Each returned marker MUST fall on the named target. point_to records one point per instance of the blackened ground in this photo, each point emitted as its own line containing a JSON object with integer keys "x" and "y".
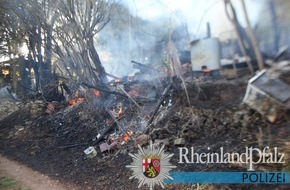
{"x": 221, "y": 121}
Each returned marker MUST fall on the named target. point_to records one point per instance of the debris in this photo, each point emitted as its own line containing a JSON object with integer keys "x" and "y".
{"x": 111, "y": 125}
{"x": 28, "y": 123}
{"x": 113, "y": 145}
{"x": 19, "y": 127}
{"x": 179, "y": 142}
{"x": 51, "y": 107}
{"x": 122, "y": 89}
{"x": 221, "y": 128}
{"x": 36, "y": 107}
{"x": 75, "y": 100}
{"x": 90, "y": 152}
{"x": 189, "y": 132}
{"x": 162, "y": 141}
{"x": 7, "y": 107}
{"x": 142, "y": 140}
{"x": 127, "y": 136}
{"x": 116, "y": 121}
{"x": 104, "y": 147}
{"x": 166, "y": 90}
{"x": 269, "y": 96}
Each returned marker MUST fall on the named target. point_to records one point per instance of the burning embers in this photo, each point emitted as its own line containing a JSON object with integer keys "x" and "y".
{"x": 97, "y": 93}
{"x": 114, "y": 140}
{"x": 120, "y": 138}
{"x": 127, "y": 136}
{"x": 75, "y": 100}
{"x": 79, "y": 98}
{"x": 120, "y": 112}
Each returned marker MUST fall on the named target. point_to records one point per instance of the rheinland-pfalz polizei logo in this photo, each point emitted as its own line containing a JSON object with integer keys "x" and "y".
{"x": 151, "y": 166}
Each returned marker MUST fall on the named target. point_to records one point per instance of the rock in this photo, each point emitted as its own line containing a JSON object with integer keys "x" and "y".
{"x": 175, "y": 119}
{"x": 142, "y": 140}
{"x": 162, "y": 141}
{"x": 7, "y": 108}
{"x": 179, "y": 142}
{"x": 189, "y": 131}
{"x": 19, "y": 127}
{"x": 39, "y": 102}
{"x": 123, "y": 152}
{"x": 28, "y": 123}
{"x": 237, "y": 117}
{"x": 84, "y": 116}
{"x": 220, "y": 128}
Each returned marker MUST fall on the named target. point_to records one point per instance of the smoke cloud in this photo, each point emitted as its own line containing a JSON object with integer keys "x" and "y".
{"x": 137, "y": 26}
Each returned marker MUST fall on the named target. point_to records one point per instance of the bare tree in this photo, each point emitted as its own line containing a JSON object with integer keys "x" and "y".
{"x": 61, "y": 30}
{"x": 76, "y": 31}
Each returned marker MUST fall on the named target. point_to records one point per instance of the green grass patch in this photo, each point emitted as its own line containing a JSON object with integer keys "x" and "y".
{"x": 7, "y": 182}
{"x": 10, "y": 184}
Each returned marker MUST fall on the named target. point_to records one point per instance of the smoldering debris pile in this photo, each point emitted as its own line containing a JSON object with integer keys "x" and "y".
{"x": 81, "y": 134}
{"x": 215, "y": 113}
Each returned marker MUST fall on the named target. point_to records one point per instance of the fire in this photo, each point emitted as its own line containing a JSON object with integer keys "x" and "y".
{"x": 75, "y": 100}
{"x": 128, "y": 135}
{"x": 96, "y": 92}
{"x": 120, "y": 112}
{"x": 118, "y": 80}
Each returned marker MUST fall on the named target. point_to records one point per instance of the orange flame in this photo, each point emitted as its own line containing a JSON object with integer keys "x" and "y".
{"x": 117, "y": 80}
{"x": 75, "y": 100}
{"x": 96, "y": 92}
{"x": 120, "y": 111}
{"x": 128, "y": 135}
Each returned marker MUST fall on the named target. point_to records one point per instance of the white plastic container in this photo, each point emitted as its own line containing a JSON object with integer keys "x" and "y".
{"x": 205, "y": 52}
{"x": 90, "y": 152}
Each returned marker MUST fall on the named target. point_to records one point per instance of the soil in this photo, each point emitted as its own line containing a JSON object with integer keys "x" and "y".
{"x": 41, "y": 141}
{"x": 26, "y": 178}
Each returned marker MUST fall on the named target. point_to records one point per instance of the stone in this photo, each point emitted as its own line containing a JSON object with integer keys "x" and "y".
{"x": 162, "y": 141}
{"x": 28, "y": 122}
{"x": 179, "y": 142}
{"x": 141, "y": 140}
{"x": 84, "y": 116}
{"x": 38, "y": 102}
{"x": 19, "y": 127}
{"x": 221, "y": 128}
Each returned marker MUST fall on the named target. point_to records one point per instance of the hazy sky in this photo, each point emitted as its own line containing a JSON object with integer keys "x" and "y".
{"x": 196, "y": 13}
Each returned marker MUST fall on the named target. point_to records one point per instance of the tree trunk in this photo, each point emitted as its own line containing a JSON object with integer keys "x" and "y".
{"x": 47, "y": 75}
{"x": 253, "y": 38}
{"x": 96, "y": 60}
{"x": 236, "y": 24}
{"x": 39, "y": 58}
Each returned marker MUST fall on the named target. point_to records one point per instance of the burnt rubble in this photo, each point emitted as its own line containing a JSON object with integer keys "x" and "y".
{"x": 61, "y": 134}
{"x": 93, "y": 128}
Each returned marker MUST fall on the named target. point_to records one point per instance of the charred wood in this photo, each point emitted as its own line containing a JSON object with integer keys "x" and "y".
{"x": 164, "y": 94}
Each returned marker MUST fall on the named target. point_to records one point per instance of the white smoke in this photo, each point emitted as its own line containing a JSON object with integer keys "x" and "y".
{"x": 160, "y": 16}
